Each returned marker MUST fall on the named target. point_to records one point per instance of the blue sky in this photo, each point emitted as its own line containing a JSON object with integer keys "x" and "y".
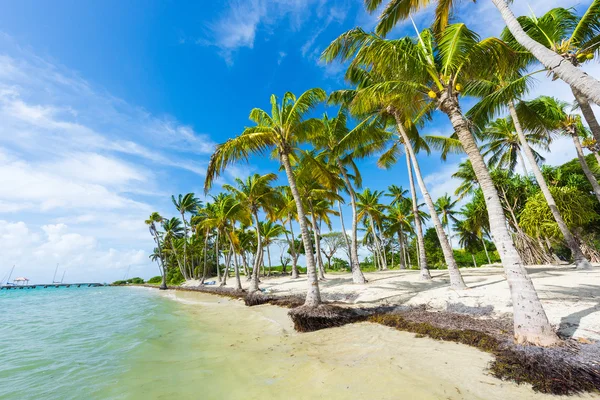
{"x": 109, "y": 107}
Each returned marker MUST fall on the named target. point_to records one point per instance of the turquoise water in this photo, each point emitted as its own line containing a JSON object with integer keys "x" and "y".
{"x": 76, "y": 343}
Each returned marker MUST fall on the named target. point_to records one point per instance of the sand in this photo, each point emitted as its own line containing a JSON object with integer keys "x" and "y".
{"x": 266, "y": 358}
{"x": 570, "y": 297}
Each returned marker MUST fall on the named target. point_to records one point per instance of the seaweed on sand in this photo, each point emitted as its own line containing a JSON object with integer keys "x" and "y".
{"x": 309, "y": 319}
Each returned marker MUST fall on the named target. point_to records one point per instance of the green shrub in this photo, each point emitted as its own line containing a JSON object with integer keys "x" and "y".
{"x": 155, "y": 279}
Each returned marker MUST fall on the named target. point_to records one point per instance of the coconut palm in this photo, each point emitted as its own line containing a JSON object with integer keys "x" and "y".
{"x": 431, "y": 71}
{"x": 476, "y": 217}
{"x": 283, "y": 130}
{"x": 467, "y": 239}
{"x": 269, "y": 232}
{"x": 505, "y": 91}
{"x": 398, "y": 220}
{"x": 555, "y": 113}
{"x": 445, "y": 207}
{"x": 185, "y": 204}
{"x": 574, "y": 38}
{"x": 589, "y": 87}
{"x": 370, "y": 210}
{"x": 173, "y": 231}
{"x": 286, "y": 213}
{"x": 156, "y": 218}
{"x": 503, "y": 146}
{"x": 340, "y": 146}
{"x": 256, "y": 194}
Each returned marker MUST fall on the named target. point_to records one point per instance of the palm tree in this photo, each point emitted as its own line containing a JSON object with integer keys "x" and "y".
{"x": 574, "y": 38}
{"x": 172, "y": 232}
{"x": 283, "y": 130}
{"x": 341, "y": 146}
{"x": 589, "y": 87}
{"x": 256, "y": 194}
{"x": 431, "y": 71}
{"x": 370, "y": 209}
{"x": 476, "y": 218}
{"x": 466, "y": 175}
{"x": 554, "y": 113}
{"x": 504, "y": 147}
{"x": 398, "y": 221}
{"x": 503, "y": 90}
{"x": 156, "y": 218}
{"x": 185, "y": 204}
{"x": 286, "y": 213}
{"x": 270, "y": 231}
{"x": 444, "y": 206}
{"x": 467, "y": 239}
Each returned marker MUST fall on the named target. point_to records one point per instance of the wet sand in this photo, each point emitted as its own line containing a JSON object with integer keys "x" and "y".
{"x": 252, "y": 353}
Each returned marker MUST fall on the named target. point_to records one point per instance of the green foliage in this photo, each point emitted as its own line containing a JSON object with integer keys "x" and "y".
{"x": 155, "y": 279}
{"x": 338, "y": 264}
{"x": 575, "y": 207}
{"x": 131, "y": 281}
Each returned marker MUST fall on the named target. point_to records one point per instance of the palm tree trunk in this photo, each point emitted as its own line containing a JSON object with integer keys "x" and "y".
{"x": 486, "y": 250}
{"x": 474, "y": 262}
{"x": 376, "y": 242}
{"x": 346, "y": 240}
{"x": 163, "y": 283}
{"x": 218, "y": 256}
{"x": 205, "y": 269}
{"x": 257, "y": 257}
{"x": 313, "y": 296}
{"x": 294, "y": 252}
{"x": 176, "y": 258}
{"x": 524, "y": 166}
{"x": 292, "y": 249}
{"x": 421, "y": 257}
{"x": 588, "y": 114}
{"x": 238, "y": 282}
{"x": 401, "y": 249}
{"x": 584, "y": 165}
{"x": 227, "y": 265}
{"x": 575, "y": 77}
{"x": 382, "y": 247}
{"x": 185, "y": 238}
{"x": 456, "y": 280}
{"x": 269, "y": 258}
{"x": 357, "y": 275}
{"x": 531, "y": 323}
{"x": 317, "y": 241}
{"x": 580, "y": 261}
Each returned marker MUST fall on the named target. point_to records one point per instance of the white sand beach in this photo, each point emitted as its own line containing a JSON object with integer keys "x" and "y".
{"x": 570, "y": 297}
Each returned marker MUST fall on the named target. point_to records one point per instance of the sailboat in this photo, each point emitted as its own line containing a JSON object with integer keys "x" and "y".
{"x": 8, "y": 283}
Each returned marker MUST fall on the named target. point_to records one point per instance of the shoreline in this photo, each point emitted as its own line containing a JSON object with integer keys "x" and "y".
{"x": 564, "y": 370}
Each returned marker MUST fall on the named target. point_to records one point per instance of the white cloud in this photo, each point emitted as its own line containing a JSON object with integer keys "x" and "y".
{"x": 238, "y": 26}
{"x": 36, "y": 253}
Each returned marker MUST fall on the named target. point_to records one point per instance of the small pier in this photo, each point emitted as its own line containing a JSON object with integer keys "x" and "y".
{"x": 50, "y": 285}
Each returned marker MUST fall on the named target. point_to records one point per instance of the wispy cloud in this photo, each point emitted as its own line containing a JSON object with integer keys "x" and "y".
{"x": 239, "y": 24}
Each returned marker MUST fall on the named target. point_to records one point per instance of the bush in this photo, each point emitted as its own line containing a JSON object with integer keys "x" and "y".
{"x": 155, "y": 279}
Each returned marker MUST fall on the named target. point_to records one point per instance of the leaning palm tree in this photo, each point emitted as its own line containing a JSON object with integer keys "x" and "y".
{"x": 574, "y": 38}
{"x": 431, "y": 70}
{"x": 256, "y": 194}
{"x": 589, "y": 87}
{"x": 283, "y": 130}
{"x": 505, "y": 91}
{"x": 556, "y": 116}
{"x": 185, "y": 204}
{"x": 156, "y": 218}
